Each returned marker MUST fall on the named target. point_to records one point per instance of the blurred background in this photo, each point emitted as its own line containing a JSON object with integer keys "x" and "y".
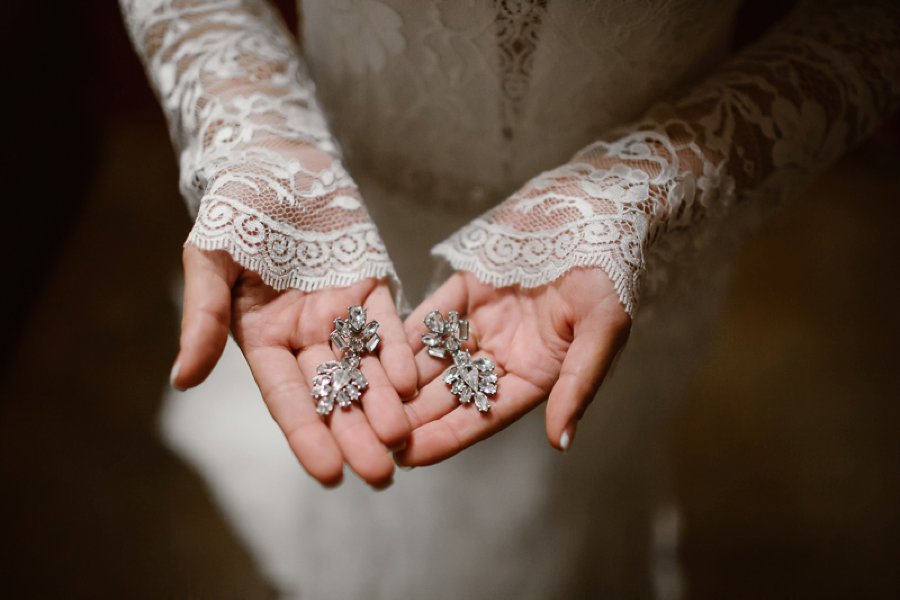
{"x": 786, "y": 451}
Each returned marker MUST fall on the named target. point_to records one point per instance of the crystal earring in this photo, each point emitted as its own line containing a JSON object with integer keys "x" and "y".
{"x": 469, "y": 380}
{"x": 342, "y": 382}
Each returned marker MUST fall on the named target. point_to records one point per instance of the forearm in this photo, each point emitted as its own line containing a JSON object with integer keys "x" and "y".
{"x": 780, "y": 112}
{"x": 258, "y": 165}
{"x": 770, "y": 120}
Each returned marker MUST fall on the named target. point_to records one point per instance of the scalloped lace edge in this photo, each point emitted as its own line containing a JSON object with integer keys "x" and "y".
{"x": 621, "y": 280}
{"x": 293, "y": 279}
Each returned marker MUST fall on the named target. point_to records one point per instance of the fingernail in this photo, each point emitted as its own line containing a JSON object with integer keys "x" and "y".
{"x": 568, "y": 435}
{"x": 173, "y": 374}
{"x": 399, "y": 447}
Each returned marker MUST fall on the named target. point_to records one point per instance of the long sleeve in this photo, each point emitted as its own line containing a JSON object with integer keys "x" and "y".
{"x": 258, "y": 166}
{"x": 660, "y": 189}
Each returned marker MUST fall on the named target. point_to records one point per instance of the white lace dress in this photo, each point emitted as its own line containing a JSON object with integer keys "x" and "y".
{"x": 516, "y": 139}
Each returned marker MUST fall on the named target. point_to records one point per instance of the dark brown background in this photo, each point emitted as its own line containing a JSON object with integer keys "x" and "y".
{"x": 787, "y": 449}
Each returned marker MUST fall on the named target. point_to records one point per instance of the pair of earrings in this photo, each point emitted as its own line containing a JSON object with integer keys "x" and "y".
{"x": 341, "y": 382}
{"x": 469, "y": 380}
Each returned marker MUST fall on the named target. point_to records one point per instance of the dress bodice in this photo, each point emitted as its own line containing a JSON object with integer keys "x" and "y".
{"x": 467, "y": 100}
{"x": 520, "y": 132}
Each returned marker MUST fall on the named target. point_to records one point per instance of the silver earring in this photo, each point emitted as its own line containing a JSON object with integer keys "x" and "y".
{"x": 341, "y": 382}
{"x": 469, "y": 380}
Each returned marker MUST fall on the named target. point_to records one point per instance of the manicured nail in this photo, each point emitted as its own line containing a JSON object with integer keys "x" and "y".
{"x": 173, "y": 374}
{"x": 568, "y": 435}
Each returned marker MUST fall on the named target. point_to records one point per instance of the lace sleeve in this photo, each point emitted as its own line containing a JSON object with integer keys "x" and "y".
{"x": 776, "y": 115}
{"x": 258, "y": 166}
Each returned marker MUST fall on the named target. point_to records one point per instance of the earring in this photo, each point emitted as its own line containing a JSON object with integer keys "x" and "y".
{"x": 469, "y": 380}
{"x": 341, "y": 382}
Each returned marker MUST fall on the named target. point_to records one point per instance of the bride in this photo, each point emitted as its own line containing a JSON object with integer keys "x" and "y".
{"x": 561, "y": 160}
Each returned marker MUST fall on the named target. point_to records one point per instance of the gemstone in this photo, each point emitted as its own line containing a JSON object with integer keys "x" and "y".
{"x": 481, "y": 402}
{"x": 470, "y": 376}
{"x": 352, "y": 392}
{"x": 452, "y": 344}
{"x": 338, "y": 340}
{"x": 483, "y": 364}
{"x": 357, "y": 318}
{"x": 325, "y": 406}
{"x": 370, "y": 329}
{"x": 465, "y": 395}
{"x": 437, "y": 352}
{"x": 457, "y": 387}
{"x": 356, "y": 345}
{"x": 358, "y": 379}
{"x": 452, "y": 322}
{"x": 435, "y": 321}
{"x": 451, "y": 375}
{"x": 343, "y": 398}
{"x": 372, "y": 342}
{"x": 463, "y": 329}
{"x": 342, "y": 327}
{"x": 340, "y": 379}
{"x": 350, "y": 362}
{"x": 489, "y": 389}
{"x": 321, "y": 386}
{"x": 490, "y": 378}
{"x": 328, "y": 367}
{"x": 431, "y": 339}
{"x": 461, "y": 359}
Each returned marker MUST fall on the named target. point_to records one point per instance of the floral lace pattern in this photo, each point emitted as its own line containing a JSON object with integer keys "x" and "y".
{"x": 475, "y": 98}
{"x": 779, "y": 113}
{"x": 258, "y": 165}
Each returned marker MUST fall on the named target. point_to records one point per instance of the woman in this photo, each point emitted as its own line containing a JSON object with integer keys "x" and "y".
{"x": 449, "y": 115}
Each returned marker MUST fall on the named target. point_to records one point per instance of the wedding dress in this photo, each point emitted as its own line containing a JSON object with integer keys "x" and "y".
{"x": 516, "y": 139}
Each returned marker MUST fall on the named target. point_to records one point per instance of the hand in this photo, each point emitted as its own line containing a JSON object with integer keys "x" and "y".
{"x": 557, "y": 340}
{"x": 284, "y": 336}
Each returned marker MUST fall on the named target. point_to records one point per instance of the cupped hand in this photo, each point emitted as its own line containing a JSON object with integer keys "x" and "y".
{"x": 284, "y": 336}
{"x": 555, "y": 341}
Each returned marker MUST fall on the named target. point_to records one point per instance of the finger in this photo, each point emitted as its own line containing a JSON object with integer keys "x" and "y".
{"x": 395, "y": 354}
{"x": 382, "y": 405}
{"x": 208, "y": 279}
{"x": 584, "y": 367}
{"x": 361, "y": 448}
{"x": 464, "y": 425}
{"x": 290, "y": 402}
{"x": 430, "y": 368}
{"x": 433, "y": 402}
{"x": 452, "y": 295}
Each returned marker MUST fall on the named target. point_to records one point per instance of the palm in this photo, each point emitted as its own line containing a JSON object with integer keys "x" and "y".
{"x": 556, "y": 341}
{"x": 284, "y": 336}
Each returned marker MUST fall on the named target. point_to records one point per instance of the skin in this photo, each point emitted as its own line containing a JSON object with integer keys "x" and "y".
{"x": 553, "y": 343}
{"x": 284, "y": 336}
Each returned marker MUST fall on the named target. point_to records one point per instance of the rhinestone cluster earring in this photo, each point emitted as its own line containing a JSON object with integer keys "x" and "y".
{"x": 469, "y": 380}
{"x": 341, "y": 382}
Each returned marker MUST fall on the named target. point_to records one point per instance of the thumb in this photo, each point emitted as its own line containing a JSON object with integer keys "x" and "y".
{"x": 208, "y": 279}
{"x": 586, "y": 363}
